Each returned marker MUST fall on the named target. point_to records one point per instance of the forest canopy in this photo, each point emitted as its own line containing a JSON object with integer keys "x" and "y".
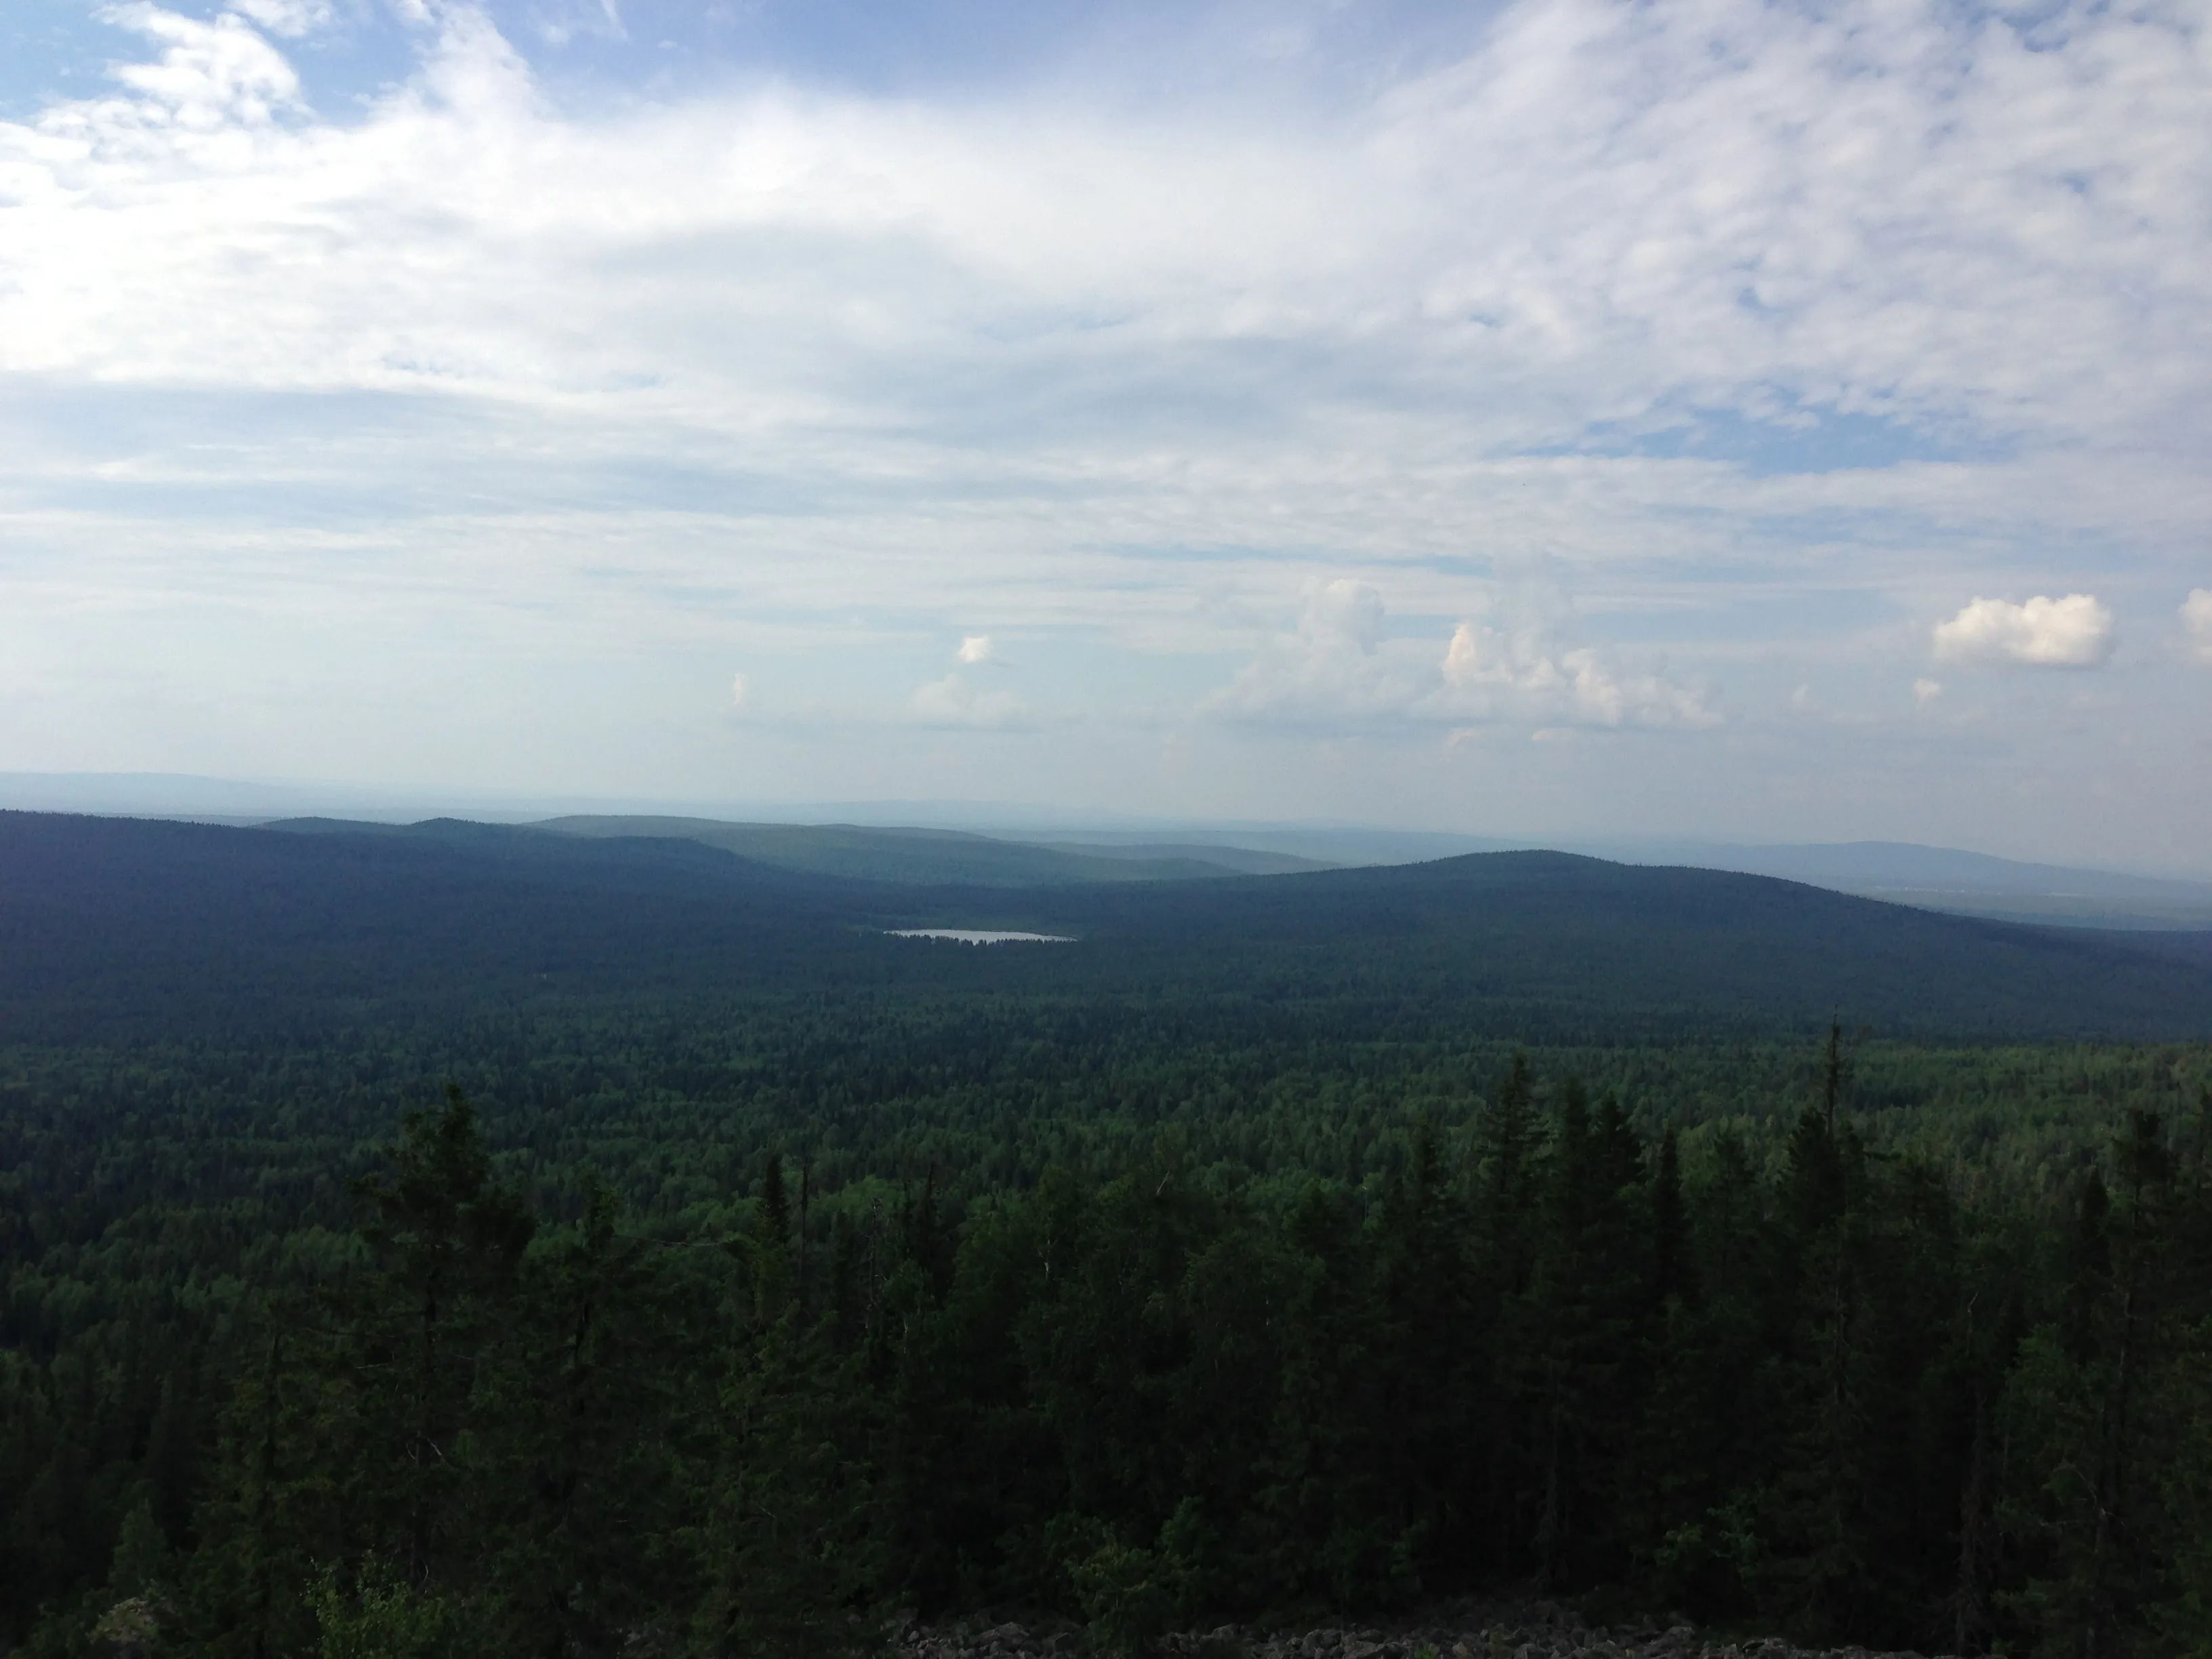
{"x": 730, "y": 1312}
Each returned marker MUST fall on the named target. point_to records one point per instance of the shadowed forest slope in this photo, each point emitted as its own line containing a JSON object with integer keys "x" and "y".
{"x": 113, "y": 925}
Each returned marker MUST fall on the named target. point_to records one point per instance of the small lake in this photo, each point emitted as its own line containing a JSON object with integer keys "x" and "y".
{"x": 981, "y": 936}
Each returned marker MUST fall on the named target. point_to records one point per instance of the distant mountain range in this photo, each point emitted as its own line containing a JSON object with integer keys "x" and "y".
{"x": 1967, "y": 883}
{"x": 993, "y": 846}
{"x": 1930, "y": 878}
{"x": 930, "y": 856}
{"x": 114, "y": 925}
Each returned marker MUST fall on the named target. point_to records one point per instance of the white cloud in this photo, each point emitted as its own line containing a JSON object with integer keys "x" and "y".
{"x": 570, "y": 19}
{"x": 1336, "y": 667}
{"x": 1497, "y": 676}
{"x": 285, "y": 17}
{"x": 2075, "y": 632}
{"x": 955, "y": 701}
{"x": 1603, "y": 212}
{"x": 740, "y": 690}
{"x": 2196, "y": 621}
{"x": 1926, "y": 691}
{"x": 212, "y": 84}
{"x": 1332, "y": 667}
{"x": 612, "y": 379}
{"x": 974, "y": 648}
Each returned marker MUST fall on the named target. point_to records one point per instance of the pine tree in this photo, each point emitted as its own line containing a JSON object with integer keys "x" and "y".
{"x": 1506, "y": 1178}
{"x": 1584, "y": 1324}
{"x": 581, "y": 1475}
{"x": 1426, "y": 1358}
{"x": 1505, "y": 1235}
{"x": 2090, "y": 1398}
{"x": 448, "y": 1241}
{"x": 1673, "y": 1273}
{"x": 769, "y": 1242}
{"x": 1815, "y": 1509}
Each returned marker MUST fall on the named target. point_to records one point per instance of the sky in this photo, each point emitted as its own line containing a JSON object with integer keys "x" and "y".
{"x": 1741, "y": 419}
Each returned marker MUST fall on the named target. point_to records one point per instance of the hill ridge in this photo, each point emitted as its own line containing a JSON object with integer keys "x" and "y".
{"x": 130, "y": 922}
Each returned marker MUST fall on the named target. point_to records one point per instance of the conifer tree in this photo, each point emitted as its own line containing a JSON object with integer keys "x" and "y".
{"x": 448, "y": 1241}
{"x": 1583, "y": 1324}
{"x": 1672, "y": 1272}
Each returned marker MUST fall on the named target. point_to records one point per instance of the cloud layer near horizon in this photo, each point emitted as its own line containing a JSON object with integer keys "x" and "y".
{"x": 1624, "y": 370}
{"x": 2075, "y": 632}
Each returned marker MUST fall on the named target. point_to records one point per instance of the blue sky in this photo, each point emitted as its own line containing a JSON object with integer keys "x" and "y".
{"x": 1760, "y": 421}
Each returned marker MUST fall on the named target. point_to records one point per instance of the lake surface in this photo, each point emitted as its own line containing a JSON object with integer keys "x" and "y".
{"x": 981, "y": 936}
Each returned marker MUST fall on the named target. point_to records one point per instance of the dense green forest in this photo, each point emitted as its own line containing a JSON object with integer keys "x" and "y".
{"x": 713, "y": 1346}
{"x": 723, "y": 1311}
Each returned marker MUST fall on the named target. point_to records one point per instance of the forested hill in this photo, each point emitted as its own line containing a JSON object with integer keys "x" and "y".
{"x": 1277, "y": 1248}
{"x": 110, "y": 927}
{"x": 924, "y": 857}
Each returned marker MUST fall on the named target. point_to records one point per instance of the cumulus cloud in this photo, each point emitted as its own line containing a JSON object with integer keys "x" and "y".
{"x": 957, "y": 700}
{"x": 1332, "y": 666}
{"x": 975, "y": 648}
{"x": 1336, "y": 667}
{"x": 2196, "y": 621}
{"x": 740, "y": 690}
{"x": 2075, "y": 632}
{"x": 1495, "y": 675}
{"x": 1926, "y": 691}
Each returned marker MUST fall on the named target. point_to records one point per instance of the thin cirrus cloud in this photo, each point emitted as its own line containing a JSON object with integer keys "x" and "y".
{"x": 1766, "y": 327}
{"x": 288, "y": 18}
{"x": 2073, "y": 632}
